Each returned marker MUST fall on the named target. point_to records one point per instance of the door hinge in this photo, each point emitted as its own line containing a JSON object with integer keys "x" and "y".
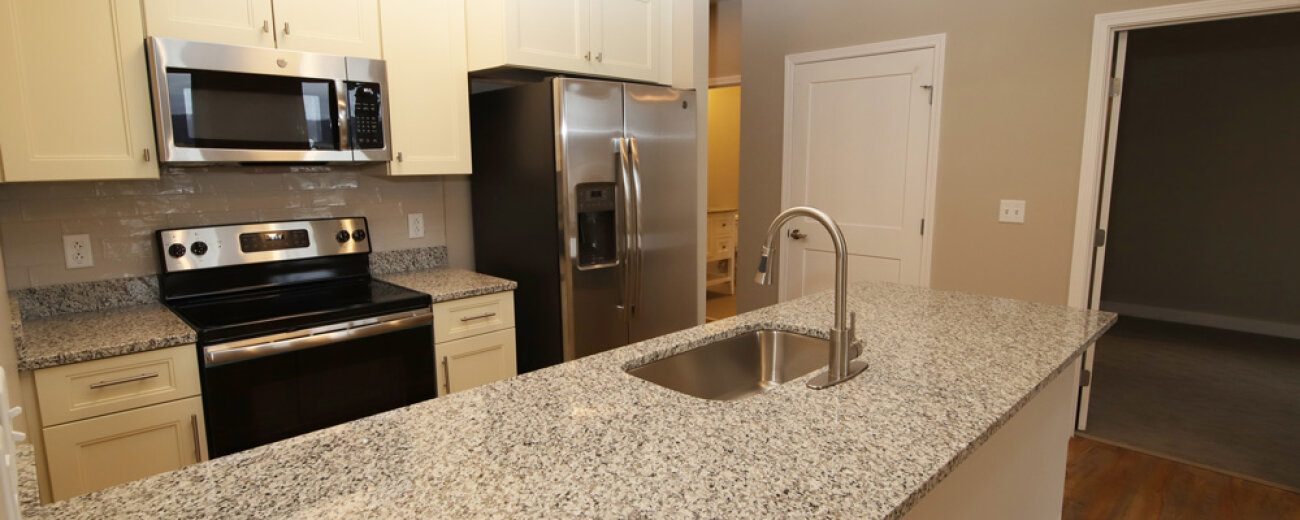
{"x": 1116, "y": 86}
{"x": 922, "y": 226}
{"x": 1099, "y": 239}
{"x": 929, "y": 89}
{"x": 1085, "y": 378}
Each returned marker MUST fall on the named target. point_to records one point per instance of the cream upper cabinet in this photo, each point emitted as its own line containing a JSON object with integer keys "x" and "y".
{"x": 614, "y": 38}
{"x": 625, "y": 38}
{"x": 428, "y": 87}
{"x": 343, "y": 27}
{"x": 236, "y": 22}
{"x": 74, "y": 103}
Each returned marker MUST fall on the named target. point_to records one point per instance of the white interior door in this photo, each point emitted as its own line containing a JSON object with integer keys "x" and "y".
{"x": 1103, "y": 218}
{"x": 859, "y": 151}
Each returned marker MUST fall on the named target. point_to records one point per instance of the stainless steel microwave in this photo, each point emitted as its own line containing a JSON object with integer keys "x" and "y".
{"x": 216, "y": 103}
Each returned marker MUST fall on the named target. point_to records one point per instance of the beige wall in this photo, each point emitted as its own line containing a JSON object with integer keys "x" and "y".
{"x": 120, "y": 216}
{"x": 1012, "y": 127}
{"x": 724, "y": 148}
{"x": 724, "y": 38}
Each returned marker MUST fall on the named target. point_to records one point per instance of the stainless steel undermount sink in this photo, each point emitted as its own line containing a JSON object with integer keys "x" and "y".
{"x": 741, "y": 366}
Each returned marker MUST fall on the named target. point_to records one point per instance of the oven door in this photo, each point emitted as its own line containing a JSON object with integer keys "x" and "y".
{"x": 256, "y": 392}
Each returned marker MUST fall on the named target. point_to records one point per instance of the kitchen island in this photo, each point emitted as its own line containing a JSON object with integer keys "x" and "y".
{"x": 949, "y": 371}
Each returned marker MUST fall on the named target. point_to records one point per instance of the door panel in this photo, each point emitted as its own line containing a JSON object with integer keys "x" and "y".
{"x": 234, "y": 22}
{"x": 662, "y": 121}
{"x": 549, "y": 34}
{"x": 591, "y": 115}
{"x": 860, "y": 147}
{"x": 342, "y": 27}
{"x": 624, "y": 34}
{"x": 477, "y": 361}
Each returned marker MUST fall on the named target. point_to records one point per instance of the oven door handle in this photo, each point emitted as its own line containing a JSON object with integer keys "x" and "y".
{"x": 245, "y": 350}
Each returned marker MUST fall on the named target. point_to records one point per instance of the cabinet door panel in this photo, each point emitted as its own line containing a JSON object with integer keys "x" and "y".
{"x": 477, "y": 361}
{"x": 344, "y": 27}
{"x": 74, "y": 103}
{"x": 428, "y": 87}
{"x": 626, "y": 38}
{"x": 236, "y": 22}
{"x": 549, "y": 34}
{"x": 92, "y": 454}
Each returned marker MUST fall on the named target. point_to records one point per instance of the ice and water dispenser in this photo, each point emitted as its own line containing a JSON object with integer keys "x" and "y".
{"x": 597, "y": 225}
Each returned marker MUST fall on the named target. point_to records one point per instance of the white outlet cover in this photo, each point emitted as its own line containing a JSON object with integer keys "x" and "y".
{"x": 77, "y": 252}
{"x": 1012, "y": 211}
{"x": 415, "y": 225}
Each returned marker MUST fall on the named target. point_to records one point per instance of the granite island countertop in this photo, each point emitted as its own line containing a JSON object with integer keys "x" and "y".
{"x": 585, "y": 439}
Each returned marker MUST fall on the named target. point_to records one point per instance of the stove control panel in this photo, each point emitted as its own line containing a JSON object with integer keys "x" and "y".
{"x": 238, "y": 244}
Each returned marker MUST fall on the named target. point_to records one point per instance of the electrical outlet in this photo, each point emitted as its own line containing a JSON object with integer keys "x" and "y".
{"x": 415, "y": 225}
{"x": 1012, "y": 211}
{"x": 77, "y": 252}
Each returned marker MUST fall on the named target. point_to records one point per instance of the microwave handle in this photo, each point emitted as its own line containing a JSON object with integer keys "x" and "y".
{"x": 341, "y": 86}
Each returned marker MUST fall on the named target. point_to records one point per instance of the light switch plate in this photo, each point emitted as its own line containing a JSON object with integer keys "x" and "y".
{"x": 76, "y": 251}
{"x": 1012, "y": 211}
{"x": 415, "y": 225}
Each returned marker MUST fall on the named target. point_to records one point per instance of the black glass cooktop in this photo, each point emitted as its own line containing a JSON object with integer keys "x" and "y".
{"x": 259, "y": 313}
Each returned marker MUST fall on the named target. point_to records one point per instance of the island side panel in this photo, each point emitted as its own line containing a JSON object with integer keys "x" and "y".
{"x": 1019, "y": 472}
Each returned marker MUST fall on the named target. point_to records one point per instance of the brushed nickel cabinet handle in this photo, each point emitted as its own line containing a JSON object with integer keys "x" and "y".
{"x": 266, "y": 26}
{"x": 587, "y": 56}
{"x": 111, "y": 382}
{"x": 446, "y": 377}
{"x": 478, "y": 316}
{"x": 399, "y": 156}
{"x": 600, "y": 56}
{"x": 286, "y": 28}
{"x": 146, "y": 155}
{"x": 194, "y": 426}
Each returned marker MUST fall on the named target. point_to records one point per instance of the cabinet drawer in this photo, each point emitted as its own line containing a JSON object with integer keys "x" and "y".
{"x": 467, "y": 317}
{"x": 96, "y": 453}
{"x": 81, "y": 390}
{"x": 477, "y": 361}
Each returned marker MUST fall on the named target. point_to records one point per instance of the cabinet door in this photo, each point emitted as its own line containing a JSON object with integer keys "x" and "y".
{"x": 549, "y": 34}
{"x": 343, "y": 27}
{"x": 625, "y": 38}
{"x": 74, "y": 102}
{"x": 236, "y": 22}
{"x": 428, "y": 86}
{"x": 477, "y": 361}
{"x": 92, "y": 454}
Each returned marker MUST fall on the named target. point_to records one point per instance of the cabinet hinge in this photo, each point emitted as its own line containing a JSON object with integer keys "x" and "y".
{"x": 1085, "y": 378}
{"x": 1099, "y": 239}
{"x": 1116, "y": 86}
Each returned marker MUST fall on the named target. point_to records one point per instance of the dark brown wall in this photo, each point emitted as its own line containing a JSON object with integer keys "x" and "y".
{"x": 1205, "y": 213}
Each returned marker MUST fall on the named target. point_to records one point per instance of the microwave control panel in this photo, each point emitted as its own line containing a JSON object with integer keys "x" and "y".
{"x": 365, "y": 122}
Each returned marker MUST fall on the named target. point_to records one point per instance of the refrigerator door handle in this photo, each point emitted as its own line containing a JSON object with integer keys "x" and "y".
{"x": 629, "y": 226}
{"x": 637, "y": 254}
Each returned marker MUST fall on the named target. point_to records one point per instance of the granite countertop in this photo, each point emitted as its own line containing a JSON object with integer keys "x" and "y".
{"x": 446, "y": 283}
{"x": 585, "y": 439}
{"x": 84, "y": 336}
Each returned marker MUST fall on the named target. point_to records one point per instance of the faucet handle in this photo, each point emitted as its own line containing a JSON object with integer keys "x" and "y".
{"x": 853, "y": 325}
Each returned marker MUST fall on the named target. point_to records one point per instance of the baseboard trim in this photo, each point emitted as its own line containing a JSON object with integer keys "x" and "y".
{"x": 1205, "y": 319}
{"x": 1180, "y": 460}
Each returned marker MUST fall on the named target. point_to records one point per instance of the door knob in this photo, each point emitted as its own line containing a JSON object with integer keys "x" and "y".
{"x": 795, "y": 234}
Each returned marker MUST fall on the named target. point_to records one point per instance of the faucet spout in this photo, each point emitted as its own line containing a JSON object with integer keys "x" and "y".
{"x": 839, "y": 367}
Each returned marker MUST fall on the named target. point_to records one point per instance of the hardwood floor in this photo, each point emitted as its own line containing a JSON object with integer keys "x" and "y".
{"x": 1105, "y": 482}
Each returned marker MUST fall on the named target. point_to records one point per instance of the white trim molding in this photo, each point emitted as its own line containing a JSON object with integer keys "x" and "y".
{"x": 725, "y": 81}
{"x": 937, "y": 42}
{"x": 1105, "y": 28}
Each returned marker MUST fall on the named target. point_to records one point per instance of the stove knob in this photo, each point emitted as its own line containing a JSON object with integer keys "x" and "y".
{"x": 359, "y": 235}
{"x": 199, "y": 248}
{"x": 176, "y": 250}
{"x": 342, "y": 236}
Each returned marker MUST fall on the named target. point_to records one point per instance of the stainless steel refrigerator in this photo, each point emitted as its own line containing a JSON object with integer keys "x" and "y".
{"x": 584, "y": 192}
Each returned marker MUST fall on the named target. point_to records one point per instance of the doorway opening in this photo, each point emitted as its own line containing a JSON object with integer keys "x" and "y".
{"x": 724, "y": 160}
{"x": 1197, "y": 246}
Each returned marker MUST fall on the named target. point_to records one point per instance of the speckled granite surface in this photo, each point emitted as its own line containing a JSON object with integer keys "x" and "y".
{"x": 445, "y": 284}
{"x": 586, "y": 440}
{"x": 403, "y": 260}
{"x": 85, "y": 336}
{"x": 53, "y": 300}
{"x": 29, "y": 494}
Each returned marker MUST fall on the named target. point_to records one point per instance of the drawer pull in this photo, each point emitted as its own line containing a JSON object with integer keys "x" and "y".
{"x": 478, "y": 316}
{"x": 446, "y": 379}
{"x": 141, "y": 377}
{"x": 194, "y": 426}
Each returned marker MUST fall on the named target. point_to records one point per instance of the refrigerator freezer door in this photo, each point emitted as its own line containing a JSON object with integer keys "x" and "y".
{"x": 660, "y": 127}
{"x": 589, "y": 124}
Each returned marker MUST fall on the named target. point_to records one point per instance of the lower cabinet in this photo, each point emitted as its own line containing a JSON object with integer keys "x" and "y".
{"x": 470, "y": 362}
{"x": 104, "y": 451}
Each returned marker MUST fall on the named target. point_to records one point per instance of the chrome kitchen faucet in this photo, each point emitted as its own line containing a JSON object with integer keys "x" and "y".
{"x": 838, "y": 367}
